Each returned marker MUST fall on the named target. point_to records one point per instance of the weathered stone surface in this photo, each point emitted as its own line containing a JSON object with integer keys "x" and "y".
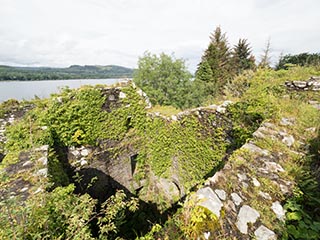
{"x": 253, "y": 148}
{"x": 221, "y": 194}
{"x": 315, "y": 104}
{"x": 83, "y": 162}
{"x": 278, "y": 210}
{"x": 24, "y": 189}
{"x": 242, "y": 177}
{"x": 273, "y": 167}
{"x": 264, "y": 233}
{"x": 245, "y": 185}
{"x": 226, "y": 103}
{"x": 75, "y": 153}
{"x": 255, "y": 182}
{"x": 38, "y": 190}
{"x": 85, "y": 152}
{"x": 42, "y": 172}
{"x": 209, "y": 200}
{"x": 313, "y": 84}
{"x": 236, "y": 199}
{"x": 27, "y": 163}
{"x": 259, "y": 134}
{"x": 206, "y": 235}
{"x": 284, "y": 189}
{"x": 265, "y": 195}
{"x": 168, "y": 188}
{"x": 246, "y": 215}
{"x": 288, "y": 140}
{"x": 221, "y": 109}
{"x": 43, "y": 148}
{"x": 111, "y": 98}
{"x": 122, "y": 95}
{"x": 174, "y": 118}
{"x": 43, "y": 160}
{"x": 287, "y": 121}
{"x": 312, "y": 129}
{"x": 215, "y": 178}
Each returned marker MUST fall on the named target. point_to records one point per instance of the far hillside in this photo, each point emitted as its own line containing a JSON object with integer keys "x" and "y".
{"x": 72, "y": 72}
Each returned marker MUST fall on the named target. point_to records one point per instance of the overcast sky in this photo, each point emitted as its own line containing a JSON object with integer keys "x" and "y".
{"x": 60, "y": 33}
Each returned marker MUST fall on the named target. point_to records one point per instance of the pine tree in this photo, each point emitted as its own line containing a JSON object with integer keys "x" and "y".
{"x": 242, "y": 57}
{"x": 218, "y": 57}
{"x": 204, "y": 83}
{"x": 204, "y": 72}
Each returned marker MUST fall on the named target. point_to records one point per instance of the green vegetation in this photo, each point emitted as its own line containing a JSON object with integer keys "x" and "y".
{"x": 259, "y": 96}
{"x": 242, "y": 57}
{"x": 303, "y": 214}
{"x": 183, "y": 149}
{"x": 165, "y": 80}
{"x": 8, "y": 106}
{"x": 61, "y": 214}
{"x": 72, "y": 72}
{"x": 302, "y": 59}
{"x": 196, "y": 152}
{"x": 219, "y": 64}
{"x": 190, "y": 148}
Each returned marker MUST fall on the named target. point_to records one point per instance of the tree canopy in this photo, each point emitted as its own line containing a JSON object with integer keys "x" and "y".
{"x": 219, "y": 63}
{"x": 302, "y": 59}
{"x": 214, "y": 69}
{"x": 164, "y": 79}
{"x": 242, "y": 57}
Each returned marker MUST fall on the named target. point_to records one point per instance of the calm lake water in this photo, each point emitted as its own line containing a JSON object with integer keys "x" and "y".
{"x": 26, "y": 90}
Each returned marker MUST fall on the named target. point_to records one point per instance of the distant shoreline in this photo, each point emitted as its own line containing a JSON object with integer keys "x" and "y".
{"x": 8, "y": 73}
{"x": 63, "y": 79}
{"x": 28, "y": 90}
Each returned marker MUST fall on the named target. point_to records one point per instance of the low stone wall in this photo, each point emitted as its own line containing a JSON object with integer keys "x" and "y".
{"x": 26, "y": 177}
{"x": 313, "y": 84}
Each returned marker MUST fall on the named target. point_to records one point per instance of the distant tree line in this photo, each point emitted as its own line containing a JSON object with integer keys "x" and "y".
{"x": 72, "y": 72}
{"x": 166, "y": 80}
{"x": 302, "y": 59}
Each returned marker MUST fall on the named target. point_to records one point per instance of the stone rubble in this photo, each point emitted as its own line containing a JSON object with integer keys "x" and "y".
{"x": 208, "y": 199}
{"x": 221, "y": 194}
{"x": 246, "y": 215}
{"x": 255, "y": 182}
{"x": 278, "y": 210}
{"x": 236, "y": 199}
{"x": 264, "y": 233}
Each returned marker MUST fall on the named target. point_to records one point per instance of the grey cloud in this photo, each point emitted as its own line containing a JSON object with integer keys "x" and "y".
{"x": 102, "y": 32}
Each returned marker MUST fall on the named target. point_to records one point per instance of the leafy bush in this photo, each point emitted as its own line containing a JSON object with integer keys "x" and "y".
{"x": 165, "y": 80}
{"x": 60, "y": 214}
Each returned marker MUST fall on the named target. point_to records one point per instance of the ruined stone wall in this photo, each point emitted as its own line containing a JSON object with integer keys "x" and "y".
{"x": 313, "y": 84}
{"x": 247, "y": 194}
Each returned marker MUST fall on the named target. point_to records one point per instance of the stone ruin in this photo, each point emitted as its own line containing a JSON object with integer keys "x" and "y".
{"x": 313, "y": 84}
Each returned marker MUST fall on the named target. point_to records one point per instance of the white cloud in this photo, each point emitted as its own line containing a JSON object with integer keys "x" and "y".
{"x": 65, "y": 32}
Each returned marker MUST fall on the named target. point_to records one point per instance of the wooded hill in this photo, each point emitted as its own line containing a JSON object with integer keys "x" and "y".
{"x": 72, "y": 72}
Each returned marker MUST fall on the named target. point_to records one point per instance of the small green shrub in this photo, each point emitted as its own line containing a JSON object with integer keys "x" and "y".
{"x": 60, "y": 214}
